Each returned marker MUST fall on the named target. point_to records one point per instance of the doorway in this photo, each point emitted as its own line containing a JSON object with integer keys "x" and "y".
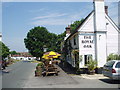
{"x": 87, "y": 58}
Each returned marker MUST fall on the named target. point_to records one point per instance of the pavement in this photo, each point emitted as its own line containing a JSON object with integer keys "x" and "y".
{"x": 95, "y": 76}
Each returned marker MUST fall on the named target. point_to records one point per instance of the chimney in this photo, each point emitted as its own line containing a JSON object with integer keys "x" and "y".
{"x": 100, "y": 22}
{"x": 68, "y": 30}
{"x": 106, "y": 10}
{"x": 100, "y": 32}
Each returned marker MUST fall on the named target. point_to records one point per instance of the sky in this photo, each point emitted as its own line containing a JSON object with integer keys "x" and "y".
{"x": 19, "y": 17}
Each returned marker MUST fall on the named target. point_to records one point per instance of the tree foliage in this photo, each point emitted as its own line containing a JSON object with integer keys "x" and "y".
{"x": 13, "y": 52}
{"x": 4, "y": 50}
{"x": 75, "y": 25}
{"x": 113, "y": 57}
{"x": 60, "y": 38}
{"x": 37, "y": 38}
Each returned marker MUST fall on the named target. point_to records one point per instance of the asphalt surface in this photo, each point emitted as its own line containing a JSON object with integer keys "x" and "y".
{"x": 50, "y": 81}
{"x": 18, "y": 75}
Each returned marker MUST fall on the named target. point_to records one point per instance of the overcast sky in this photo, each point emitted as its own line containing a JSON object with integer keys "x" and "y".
{"x": 19, "y": 17}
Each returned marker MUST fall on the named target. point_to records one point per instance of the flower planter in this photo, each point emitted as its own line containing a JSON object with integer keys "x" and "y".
{"x": 38, "y": 73}
{"x": 91, "y": 72}
{"x": 39, "y": 68}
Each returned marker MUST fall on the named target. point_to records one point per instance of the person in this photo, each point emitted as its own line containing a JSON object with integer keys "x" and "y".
{"x": 50, "y": 62}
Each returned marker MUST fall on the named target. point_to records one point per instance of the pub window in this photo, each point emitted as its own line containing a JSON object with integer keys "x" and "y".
{"x": 74, "y": 41}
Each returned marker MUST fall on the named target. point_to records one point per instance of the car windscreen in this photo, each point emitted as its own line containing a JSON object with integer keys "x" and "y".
{"x": 117, "y": 65}
{"x": 109, "y": 64}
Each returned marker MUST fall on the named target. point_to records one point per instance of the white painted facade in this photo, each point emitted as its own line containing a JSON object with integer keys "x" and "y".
{"x": 23, "y": 58}
{"x": 98, "y": 37}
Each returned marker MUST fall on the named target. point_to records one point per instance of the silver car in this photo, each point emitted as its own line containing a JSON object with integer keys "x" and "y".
{"x": 112, "y": 69}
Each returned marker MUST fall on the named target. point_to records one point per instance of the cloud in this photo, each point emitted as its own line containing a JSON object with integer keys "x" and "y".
{"x": 53, "y": 15}
{"x": 60, "y": 18}
{"x": 39, "y": 10}
{"x": 56, "y": 19}
{"x": 51, "y": 22}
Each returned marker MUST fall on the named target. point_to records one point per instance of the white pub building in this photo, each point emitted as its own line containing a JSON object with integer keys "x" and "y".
{"x": 97, "y": 36}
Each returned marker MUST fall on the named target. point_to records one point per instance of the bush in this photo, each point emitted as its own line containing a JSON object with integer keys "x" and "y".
{"x": 92, "y": 64}
{"x": 113, "y": 57}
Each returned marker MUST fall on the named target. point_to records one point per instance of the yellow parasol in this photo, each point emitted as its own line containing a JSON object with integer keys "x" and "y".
{"x": 51, "y": 54}
{"x": 45, "y": 57}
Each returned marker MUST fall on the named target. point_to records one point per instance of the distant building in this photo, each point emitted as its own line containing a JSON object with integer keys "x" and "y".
{"x": 23, "y": 56}
{"x": 97, "y": 37}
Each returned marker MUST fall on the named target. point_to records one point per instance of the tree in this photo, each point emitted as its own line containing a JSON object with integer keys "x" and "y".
{"x": 113, "y": 57}
{"x": 13, "y": 52}
{"x": 52, "y": 42}
{"x": 60, "y": 38}
{"x": 37, "y": 38}
{"x": 75, "y": 25}
{"x": 4, "y": 50}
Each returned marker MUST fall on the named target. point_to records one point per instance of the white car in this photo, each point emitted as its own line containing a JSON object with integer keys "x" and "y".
{"x": 112, "y": 69}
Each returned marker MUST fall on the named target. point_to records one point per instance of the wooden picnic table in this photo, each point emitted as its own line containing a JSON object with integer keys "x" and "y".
{"x": 50, "y": 69}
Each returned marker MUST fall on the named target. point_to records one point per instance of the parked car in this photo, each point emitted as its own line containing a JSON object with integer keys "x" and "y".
{"x": 112, "y": 69}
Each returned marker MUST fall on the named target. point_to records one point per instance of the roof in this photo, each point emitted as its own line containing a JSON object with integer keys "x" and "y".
{"x": 76, "y": 30}
{"x": 114, "y": 23}
{"x": 22, "y": 54}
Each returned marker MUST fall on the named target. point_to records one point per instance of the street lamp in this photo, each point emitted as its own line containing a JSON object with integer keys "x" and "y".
{"x": 45, "y": 48}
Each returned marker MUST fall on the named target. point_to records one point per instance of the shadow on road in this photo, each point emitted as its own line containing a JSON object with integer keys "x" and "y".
{"x": 67, "y": 68}
{"x": 110, "y": 81}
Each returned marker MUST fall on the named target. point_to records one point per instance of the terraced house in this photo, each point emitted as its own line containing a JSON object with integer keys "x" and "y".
{"x": 97, "y": 37}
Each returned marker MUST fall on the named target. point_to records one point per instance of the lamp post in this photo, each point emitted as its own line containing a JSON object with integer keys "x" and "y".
{"x": 45, "y": 48}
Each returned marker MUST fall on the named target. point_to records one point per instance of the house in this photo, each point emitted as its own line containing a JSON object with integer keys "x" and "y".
{"x": 97, "y": 37}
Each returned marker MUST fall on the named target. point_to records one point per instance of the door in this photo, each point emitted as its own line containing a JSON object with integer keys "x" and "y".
{"x": 87, "y": 58}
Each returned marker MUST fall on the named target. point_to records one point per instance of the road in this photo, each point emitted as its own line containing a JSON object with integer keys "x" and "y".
{"x": 22, "y": 76}
{"x": 64, "y": 80}
{"x": 18, "y": 75}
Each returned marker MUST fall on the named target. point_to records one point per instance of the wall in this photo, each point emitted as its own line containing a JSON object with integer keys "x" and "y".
{"x": 112, "y": 38}
{"x": 69, "y": 58}
{"x": 24, "y": 58}
{"x": 87, "y": 45}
